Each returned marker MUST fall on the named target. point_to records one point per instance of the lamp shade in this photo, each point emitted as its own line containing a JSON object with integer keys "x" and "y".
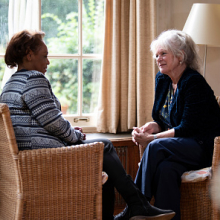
{"x": 203, "y": 24}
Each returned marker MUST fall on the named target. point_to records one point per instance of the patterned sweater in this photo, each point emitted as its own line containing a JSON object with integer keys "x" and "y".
{"x": 35, "y": 112}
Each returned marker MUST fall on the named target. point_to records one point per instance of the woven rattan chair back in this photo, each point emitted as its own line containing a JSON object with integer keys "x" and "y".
{"x": 196, "y": 202}
{"x": 215, "y": 165}
{"x": 9, "y": 181}
{"x": 56, "y": 183}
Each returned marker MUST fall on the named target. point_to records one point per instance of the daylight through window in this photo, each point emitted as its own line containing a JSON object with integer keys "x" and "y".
{"x": 74, "y": 37}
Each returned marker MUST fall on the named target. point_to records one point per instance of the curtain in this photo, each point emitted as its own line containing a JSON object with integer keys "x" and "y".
{"x": 22, "y": 14}
{"x": 127, "y": 78}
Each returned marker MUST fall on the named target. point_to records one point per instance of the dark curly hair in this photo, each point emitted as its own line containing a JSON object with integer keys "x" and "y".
{"x": 20, "y": 45}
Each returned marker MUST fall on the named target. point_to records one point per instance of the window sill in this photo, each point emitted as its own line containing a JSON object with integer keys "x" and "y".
{"x": 121, "y": 136}
{"x": 87, "y": 126}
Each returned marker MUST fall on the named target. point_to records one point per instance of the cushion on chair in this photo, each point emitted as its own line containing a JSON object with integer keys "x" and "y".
{"x": 197, "y": 175}
{"x": 104, "y": 177}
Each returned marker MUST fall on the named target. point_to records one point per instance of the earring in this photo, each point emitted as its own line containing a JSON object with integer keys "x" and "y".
{"x": 29, "y": 57}
{"x": 180, "y": 62}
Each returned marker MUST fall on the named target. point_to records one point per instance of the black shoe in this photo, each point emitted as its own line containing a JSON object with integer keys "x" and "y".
{"x": 122, "y": 215}
{"x": 150, "y": 212}
{"x": 147, "y": 212}
{"x": 138, "y": 206}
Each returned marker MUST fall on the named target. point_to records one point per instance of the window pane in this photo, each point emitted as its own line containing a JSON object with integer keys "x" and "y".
{"x": 2, "y": 70}
{"x": 93, "y": 26}
{"x": 60, "y": 23}
{"x": 3, "y": 25}
{"x": 62, "y": 74}
{"x": 91, "y": 81}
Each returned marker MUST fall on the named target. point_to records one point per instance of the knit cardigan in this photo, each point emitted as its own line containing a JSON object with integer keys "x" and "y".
{"x": 194, "y": 111}
{"x": 35, "y": 112}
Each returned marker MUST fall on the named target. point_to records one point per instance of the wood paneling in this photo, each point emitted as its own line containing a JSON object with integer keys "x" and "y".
{"x": 128, "y": 153}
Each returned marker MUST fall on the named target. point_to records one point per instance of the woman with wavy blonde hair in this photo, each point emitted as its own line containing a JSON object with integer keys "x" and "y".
{"x": 186, "y": 119}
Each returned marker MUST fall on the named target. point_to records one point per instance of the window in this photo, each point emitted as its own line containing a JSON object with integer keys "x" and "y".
{"x": 74, "y": 37}
{"x": 3, "y": 35}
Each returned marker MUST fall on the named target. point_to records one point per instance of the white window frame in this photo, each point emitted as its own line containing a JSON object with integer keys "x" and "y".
{"x": 86, "y": 121}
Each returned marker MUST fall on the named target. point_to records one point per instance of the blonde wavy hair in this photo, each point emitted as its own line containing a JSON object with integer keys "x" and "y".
{"x": 181, "y": 45}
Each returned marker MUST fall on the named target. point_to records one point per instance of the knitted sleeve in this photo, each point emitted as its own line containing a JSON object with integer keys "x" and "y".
{"x": 39, "y": 98}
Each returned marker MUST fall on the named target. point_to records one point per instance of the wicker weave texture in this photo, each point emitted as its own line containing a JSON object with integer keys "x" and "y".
{"x": 58, "y": 183}
{"x": 215, "y": 164}
{"x": 195, "y": 203}
{"x": 9, "y": 183}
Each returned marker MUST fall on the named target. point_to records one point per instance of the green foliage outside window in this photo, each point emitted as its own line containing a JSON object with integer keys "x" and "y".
{"x": 2, "y": 70}
{"x": 3, "y": 34}
{"x": 60, "y": 23}
{"x": 63, "y": 73}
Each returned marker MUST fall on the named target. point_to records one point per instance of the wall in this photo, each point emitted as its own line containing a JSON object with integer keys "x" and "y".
{"x": 172, "y": 14}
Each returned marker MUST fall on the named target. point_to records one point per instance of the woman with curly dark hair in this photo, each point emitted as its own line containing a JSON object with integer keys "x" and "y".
{"x": 38, "y": 122}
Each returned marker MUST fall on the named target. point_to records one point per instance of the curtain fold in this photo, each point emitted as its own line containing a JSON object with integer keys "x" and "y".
{"x": 22, "y": 14}
{"x": 127, "y": 81}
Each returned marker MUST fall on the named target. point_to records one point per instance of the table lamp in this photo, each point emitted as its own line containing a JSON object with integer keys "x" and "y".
{"x": 203, "y": 25}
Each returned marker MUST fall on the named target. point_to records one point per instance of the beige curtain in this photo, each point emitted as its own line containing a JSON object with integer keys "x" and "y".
{"x": 127, "y": 82}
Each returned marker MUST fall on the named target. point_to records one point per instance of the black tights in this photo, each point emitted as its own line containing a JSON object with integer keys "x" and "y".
{"x": 113, "y": 167}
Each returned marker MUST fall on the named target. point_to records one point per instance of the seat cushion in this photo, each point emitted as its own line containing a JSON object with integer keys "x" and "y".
{"x": 197, "y": 175}
{"x": 104, "y": 177}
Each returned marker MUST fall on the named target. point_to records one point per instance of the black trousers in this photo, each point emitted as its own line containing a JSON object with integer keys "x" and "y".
{"x": 162, "y": 165}
{"x": 113, "y": 167}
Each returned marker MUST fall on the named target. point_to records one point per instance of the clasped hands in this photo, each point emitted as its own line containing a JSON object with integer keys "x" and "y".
{"x": 80, "y": 129}
{"x": 144, "y": 135}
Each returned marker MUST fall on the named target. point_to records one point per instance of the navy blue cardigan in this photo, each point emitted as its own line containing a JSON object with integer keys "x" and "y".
{"x": 194, "y": 112}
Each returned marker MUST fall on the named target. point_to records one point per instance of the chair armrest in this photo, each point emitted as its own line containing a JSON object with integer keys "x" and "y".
{"x": 215, "y": 180}
{"x": 63, "y": 178}
{"x": 216, "y": 154}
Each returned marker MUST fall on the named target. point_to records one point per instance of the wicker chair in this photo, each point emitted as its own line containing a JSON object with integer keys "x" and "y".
{"x": 196, "y": 200}
{"x": 58, "y": 183}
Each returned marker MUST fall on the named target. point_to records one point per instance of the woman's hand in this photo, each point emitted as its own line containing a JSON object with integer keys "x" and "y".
{"x": 140, "y": 137}
{"x": 143, "y": 135}
{"x": 151, "y": 128}
{"x": 80, "y": 129}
